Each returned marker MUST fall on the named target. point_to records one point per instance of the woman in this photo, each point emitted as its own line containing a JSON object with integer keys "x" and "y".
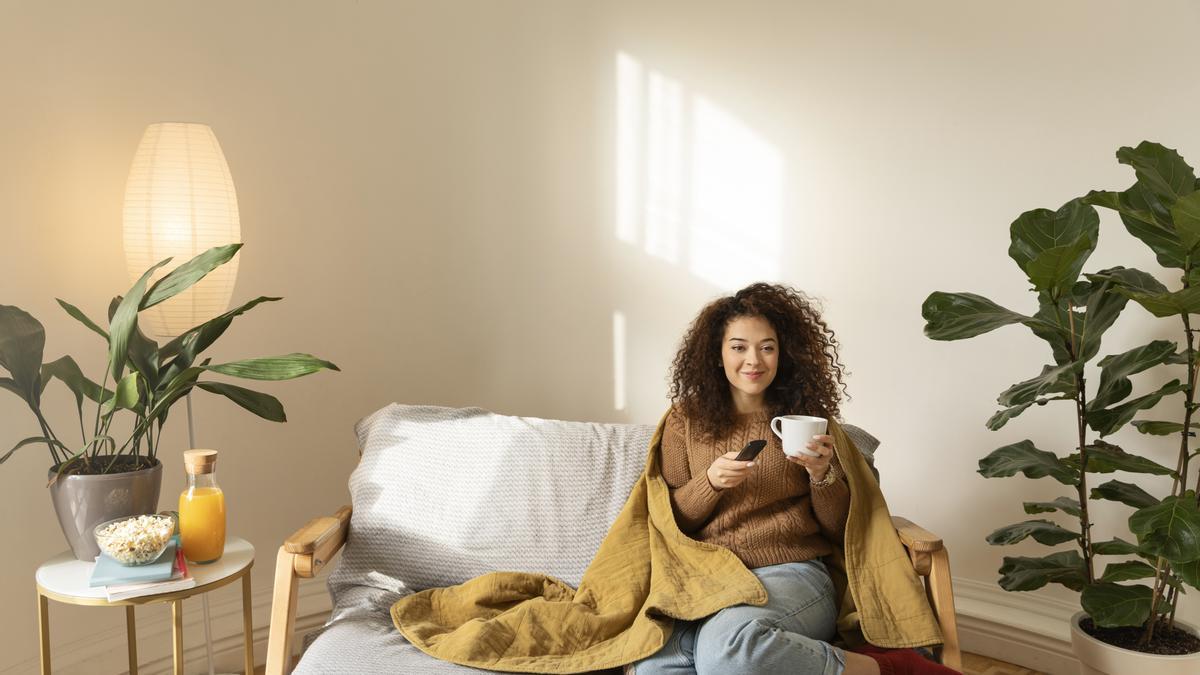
{"x": 747, "y": 358}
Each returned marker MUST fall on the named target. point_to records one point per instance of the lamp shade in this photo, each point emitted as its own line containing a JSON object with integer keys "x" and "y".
{"x": 180, "y": 202}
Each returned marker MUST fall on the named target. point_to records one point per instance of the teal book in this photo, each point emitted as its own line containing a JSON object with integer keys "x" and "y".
{"x": 109, "y": 572}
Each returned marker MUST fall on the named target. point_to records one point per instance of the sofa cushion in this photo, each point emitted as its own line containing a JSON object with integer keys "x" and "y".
{"x": 442, "y": 495}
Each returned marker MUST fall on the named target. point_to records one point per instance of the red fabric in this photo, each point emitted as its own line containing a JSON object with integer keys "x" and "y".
{"x": 903, "y": 662}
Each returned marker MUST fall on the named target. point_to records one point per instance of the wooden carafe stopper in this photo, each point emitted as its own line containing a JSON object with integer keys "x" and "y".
{"x": 199, "y": 461}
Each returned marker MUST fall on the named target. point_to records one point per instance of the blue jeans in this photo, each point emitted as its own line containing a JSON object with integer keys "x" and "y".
{"x": 787, "y": 635}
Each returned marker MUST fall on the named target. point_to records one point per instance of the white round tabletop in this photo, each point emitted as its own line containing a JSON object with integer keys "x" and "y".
{"x": 67, "y": 577}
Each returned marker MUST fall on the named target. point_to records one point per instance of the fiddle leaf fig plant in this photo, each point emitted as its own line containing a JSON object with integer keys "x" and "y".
{"x": 146, "y": 379}
{"x": 1074, "y": 309}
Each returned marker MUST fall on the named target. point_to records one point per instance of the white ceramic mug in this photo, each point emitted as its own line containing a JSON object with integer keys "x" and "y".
{"x": 797, "y": 431}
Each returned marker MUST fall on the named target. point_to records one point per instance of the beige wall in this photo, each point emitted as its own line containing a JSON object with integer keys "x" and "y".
{"x": 442, "y": 194}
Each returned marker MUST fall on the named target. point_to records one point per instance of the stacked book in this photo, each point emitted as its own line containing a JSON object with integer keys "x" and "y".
{"x": 167, "y": 574}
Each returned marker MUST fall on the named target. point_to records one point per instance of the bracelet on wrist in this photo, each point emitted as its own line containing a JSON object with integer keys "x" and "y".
{"x": 831, "y": 475}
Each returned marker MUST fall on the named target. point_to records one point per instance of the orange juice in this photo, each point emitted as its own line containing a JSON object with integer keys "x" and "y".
{"x": 202, "y": 509}
{"x": 202, "y": 523}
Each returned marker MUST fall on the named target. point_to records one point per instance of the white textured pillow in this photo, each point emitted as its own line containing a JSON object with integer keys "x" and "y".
{"x": 442, "y": 495}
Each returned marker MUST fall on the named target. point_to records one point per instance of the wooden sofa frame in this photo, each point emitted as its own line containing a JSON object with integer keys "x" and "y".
{"x": 311, "y": 547}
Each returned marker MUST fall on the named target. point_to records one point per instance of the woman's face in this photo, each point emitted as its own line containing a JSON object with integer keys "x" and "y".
{"x": 750, "y": 356}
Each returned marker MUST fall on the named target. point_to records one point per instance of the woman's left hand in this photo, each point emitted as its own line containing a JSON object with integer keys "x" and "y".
{"x": 817, "y": 467}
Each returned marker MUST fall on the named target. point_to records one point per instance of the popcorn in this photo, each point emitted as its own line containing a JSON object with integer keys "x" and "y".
{"x": 136, "y": 540}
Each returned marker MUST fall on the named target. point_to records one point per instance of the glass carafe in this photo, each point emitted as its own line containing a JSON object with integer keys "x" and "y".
{"x": 202, "y": 509}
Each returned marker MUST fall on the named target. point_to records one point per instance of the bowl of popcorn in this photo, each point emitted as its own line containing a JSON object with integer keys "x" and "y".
{"x": 135, "y": 540}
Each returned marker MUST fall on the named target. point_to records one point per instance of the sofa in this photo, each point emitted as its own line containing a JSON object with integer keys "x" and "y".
{"x": 442, "y": 495}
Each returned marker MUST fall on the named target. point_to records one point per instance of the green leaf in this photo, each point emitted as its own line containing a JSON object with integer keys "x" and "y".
{"x": 1126, "y": 571}
{"x": 128, "y": 394}
{"x": 1105, "y": 457}
{"x": 264, "y": 405}
{"x": 283, "y": 367}
{"x": 30, "y": 441}
{"x": 1186, "y": 301}
{"x": 1064, "y": 504}
{"x": 1026, "y": 574}
{"x": 1131, "y": 279}
{"x": 1052, "y": 247}
{"x": 82, "y": 318}
{"x": 1188, "y": 572}
{"x": 181, "y": 278}
{"x": 1103, "y": 308}
{"x": 124, "y": 321}
{"x": 143, "y": 354}
{"x": 1053, "y": 323}
{"x": 1146, "y": 218}
{"x": 957, "y": 316}
{"x": 1126, "y": 493}
{"x": 22, "y": 339}
{"x": 191, "y": 344}
{"x": 1073, "y": 334}
{"x": 1052, "y": 380}
{"x": 1023, "y": 457}
{"x": 1003, "y": 416}
{"x": 1161, "y": 169}
{"x": 1115, "y": 546}
{"x": 1107, "y": 421}
{"x": 1042, "y": 531}
{"x": 1112, "y": 605}
{"x": 10, "y": 385}
{"x": 1161, "y": 428}
{"x": 1186, "y": 215}
{"x": 1055, "y": 270}
{"x": 174, "y": 388}
{"x": 1116, "y": 369}
{"x": 1170, "y": 529}
{"x": 66, "y": 370}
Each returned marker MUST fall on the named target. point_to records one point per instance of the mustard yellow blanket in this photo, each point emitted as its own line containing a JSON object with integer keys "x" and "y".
{"x": 647, "y": 573}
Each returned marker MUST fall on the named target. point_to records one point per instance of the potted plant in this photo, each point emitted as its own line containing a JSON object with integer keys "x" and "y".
{"x": 1123, "y": 627}
{"x": 107, "y": 476}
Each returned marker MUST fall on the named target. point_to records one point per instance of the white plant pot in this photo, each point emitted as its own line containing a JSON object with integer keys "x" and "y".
{"x": 1100, "y": 658}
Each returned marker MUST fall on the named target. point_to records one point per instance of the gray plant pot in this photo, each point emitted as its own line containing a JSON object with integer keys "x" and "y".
{"x": 83, "y": 502}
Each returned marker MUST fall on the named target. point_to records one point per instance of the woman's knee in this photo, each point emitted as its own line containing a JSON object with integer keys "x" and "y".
{"x": 725, "y": 648}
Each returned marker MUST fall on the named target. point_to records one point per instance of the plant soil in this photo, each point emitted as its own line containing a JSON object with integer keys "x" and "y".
{"x": 1166, "y": 642}
{"x": 98, "y": 465}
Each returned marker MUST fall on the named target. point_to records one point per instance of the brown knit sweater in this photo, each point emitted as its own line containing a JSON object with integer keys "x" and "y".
{"x": 772, "y": 517}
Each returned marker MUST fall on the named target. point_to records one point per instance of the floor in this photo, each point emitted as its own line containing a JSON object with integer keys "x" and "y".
{"x": 973, "y": 664}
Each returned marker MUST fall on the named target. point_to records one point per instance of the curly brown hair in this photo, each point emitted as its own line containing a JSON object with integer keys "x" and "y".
{"x": 809, "y": 376}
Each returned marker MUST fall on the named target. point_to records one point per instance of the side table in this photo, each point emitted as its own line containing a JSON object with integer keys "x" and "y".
{"x": 65, "y": 579}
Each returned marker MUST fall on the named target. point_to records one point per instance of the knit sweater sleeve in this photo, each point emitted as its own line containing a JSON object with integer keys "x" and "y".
{"x": 831, "y": 504}
{"x": 693, "y": 498}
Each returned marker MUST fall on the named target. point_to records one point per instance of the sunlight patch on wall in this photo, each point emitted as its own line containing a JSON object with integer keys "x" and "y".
{"x": 737, "y": 201}
{"x": 695, "y": 186}
{"x": 629, "y": 141}
{"x": 619, "y": 385}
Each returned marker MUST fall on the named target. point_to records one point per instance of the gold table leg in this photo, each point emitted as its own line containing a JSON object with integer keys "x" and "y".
{"x": 131, "y": 633}
{"x": 44, "y": 632}
{"x": 247, "y": 623}
{"x": 177, "y": 633}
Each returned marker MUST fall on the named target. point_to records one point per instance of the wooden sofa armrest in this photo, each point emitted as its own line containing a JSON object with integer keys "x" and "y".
{"x": 914, "y": 537}
{"x": 931, "y": 560}
{"x": 302, "y": 555}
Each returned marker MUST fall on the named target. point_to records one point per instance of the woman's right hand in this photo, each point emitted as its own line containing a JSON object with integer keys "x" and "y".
{"x": 725, "y": 472}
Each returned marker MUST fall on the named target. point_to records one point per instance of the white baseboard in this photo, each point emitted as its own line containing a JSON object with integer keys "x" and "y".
{"x": 105, "y": 651}
{"x": 1022, "y": 628}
